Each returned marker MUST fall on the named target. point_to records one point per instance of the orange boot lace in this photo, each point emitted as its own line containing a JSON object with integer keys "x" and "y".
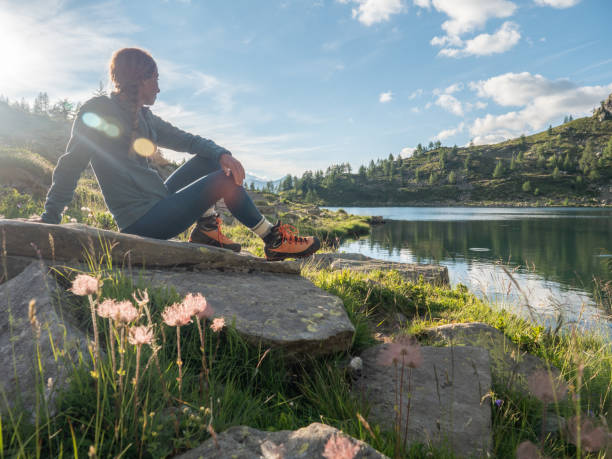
{"x": 289, "y": 233}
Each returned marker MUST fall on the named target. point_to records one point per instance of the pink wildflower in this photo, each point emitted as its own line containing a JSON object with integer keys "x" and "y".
{"x": 177, "y": 315}
{"x": 85, "y": 285}
{"x": 140, "y": 335}
{"x": 528, "y": 450}
{"x": 405, "y": 350}
{"x": 141, "y": 298}
{"x": 340, "y": 447}
{"x": 546, "y": 388}
{"x": 107, "y": 309}
{"x": 217, "y": 324}
{"x": 198, "y": 306}
{"x": 126, "y": 312}
{"x": 592, "y": 438}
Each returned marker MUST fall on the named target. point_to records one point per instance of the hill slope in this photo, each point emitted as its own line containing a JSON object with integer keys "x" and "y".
{"x": 568, "y": 164}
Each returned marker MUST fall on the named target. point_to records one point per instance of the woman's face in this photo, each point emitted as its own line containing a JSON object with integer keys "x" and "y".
{"x": 149, "y": 89}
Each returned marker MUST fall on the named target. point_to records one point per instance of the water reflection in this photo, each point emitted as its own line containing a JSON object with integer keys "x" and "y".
{"x": 553, "y": 253}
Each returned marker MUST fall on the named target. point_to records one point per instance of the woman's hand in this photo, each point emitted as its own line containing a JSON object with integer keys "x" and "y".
{"x": 231, "y": 165}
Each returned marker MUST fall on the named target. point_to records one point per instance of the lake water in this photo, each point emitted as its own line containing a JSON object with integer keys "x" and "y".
{"x": 553, "y": 254}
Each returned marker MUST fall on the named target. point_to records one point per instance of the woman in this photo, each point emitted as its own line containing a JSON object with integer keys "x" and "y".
{"x": 116, "y": 135}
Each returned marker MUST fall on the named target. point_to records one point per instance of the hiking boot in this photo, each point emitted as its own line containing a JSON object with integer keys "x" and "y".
{"x": 208, "y": 232}
{"x": 283, "y": 242}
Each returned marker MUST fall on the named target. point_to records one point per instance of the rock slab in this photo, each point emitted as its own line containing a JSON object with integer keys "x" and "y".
{"x": 412, "y": 272}
{"x": 243, "y": 442}
{"x": 509, "y": 365}
{"x": 19, "y": 339}
{"x": 448, "y": 403}
{"x": 276, "y": 310}
{"x": 71, "y": 242}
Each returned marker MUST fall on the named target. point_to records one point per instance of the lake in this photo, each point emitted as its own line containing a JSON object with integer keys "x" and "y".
{"x": 553, "y": 254}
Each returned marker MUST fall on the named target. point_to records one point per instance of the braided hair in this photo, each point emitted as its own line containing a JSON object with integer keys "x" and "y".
{"x": 129, "y": 67}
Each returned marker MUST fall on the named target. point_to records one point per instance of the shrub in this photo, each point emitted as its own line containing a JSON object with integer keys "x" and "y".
{"x": 527, "y": 186}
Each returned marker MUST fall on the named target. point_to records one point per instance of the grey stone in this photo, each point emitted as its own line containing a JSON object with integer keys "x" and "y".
{"x": 19, "y": 339}
{"x": 604, "y": 112}
{"x": 412, "y": 272}
{"x": 12, "y": 266}
{"x": 448, "y": 401}
{"x": 242, "y": 442}
{"x": 276, "y": 310}
{"x": 509, "y": 365}
{"x": 71, "y": 242}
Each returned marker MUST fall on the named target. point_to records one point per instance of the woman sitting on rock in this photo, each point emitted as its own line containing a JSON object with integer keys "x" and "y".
{"x": 117, "y": 134}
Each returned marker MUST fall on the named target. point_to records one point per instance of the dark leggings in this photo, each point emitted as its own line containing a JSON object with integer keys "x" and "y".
{"x": 193, "y": 188}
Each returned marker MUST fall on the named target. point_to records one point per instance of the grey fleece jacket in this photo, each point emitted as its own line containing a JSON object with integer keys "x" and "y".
{"x": 101, "y": 135}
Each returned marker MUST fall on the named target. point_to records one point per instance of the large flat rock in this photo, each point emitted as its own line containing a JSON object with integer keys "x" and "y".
{"x": 242, "y": 442}
{"x": 18, "y": 340}
{"x": 448, "y": 403}
{"x": 412, "y": 272}
{"x": 277, "y": 310}
{"x": 510, "y": 366}
{"x": 72, "y": 242}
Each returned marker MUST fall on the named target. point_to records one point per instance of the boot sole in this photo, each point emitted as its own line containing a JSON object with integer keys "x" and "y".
{"x": 276, "y": 256}
{"x": 216, "y": 244}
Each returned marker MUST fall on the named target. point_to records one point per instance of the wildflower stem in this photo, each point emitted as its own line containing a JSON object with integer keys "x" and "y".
{"x": 179, "y": 362}
{"x": 138, "y": 349}
{"x": 94, "y": 323}
{"x": 408, "y": 406}
{"x": 111, "y": 338}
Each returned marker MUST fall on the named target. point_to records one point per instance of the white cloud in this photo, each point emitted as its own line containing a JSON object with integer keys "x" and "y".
{"x": 407, "y": 152}
{"x": 541, "y": 102}
{"x": 385, "y": 97}
{"x": 450, "y": 103}
{"x": 370, "y": 12}
{"x": 486, "y": 44}
{"x": 442, "y": 135}
{"x": 558, "y": 3}
{"x": 415, "y": 110}
{"x": 454, "y": 88}
{"x": 415, "y": 94}
{"x": 467, "y": 16}
{"x": 518, "y": 89}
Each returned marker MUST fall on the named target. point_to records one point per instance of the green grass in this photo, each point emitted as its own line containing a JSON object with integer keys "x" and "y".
{"x": 250, "y": 386}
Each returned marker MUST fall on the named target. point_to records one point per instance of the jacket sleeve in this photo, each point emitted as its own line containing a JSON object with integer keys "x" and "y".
{"x": 67, "y": 171}
{"x": 169, "y": 136}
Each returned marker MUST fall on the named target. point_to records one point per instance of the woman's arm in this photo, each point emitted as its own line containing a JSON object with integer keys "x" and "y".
{"x": 67, "y": 172}
{"x": 169, "y": 136}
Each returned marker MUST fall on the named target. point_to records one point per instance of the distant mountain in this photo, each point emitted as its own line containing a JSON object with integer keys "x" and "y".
{"x": 260, "y": 183}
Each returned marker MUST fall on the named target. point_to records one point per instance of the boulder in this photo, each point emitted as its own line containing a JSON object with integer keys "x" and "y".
{"x": 242, "y": 442}
{"x": 448, "y": 401}
{"x": 272, "y": 309}
{"x": 509, "y": 365}
{"x": 604, "y": 112}
{"x": 21, "y": 335}
{"x": 412, "y": 272}
{"x": 72, "y": 243}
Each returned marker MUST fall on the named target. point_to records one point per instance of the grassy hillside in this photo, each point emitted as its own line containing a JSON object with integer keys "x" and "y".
{"x": 569, "y": 164}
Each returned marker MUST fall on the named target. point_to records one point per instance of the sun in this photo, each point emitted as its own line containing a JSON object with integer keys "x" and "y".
{"x": 19, "y": 57}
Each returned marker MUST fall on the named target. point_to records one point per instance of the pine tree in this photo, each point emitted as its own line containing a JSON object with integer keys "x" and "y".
{"x": 513, "y": 163}
{"x": 452, "y": 178}
{"x": 527, "y": 186}
{"x": 556, "y": 173}
{"x": 499, "y": 169}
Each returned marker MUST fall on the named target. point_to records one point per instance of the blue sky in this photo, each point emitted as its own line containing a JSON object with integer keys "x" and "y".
{"x": 289, "y": 85}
